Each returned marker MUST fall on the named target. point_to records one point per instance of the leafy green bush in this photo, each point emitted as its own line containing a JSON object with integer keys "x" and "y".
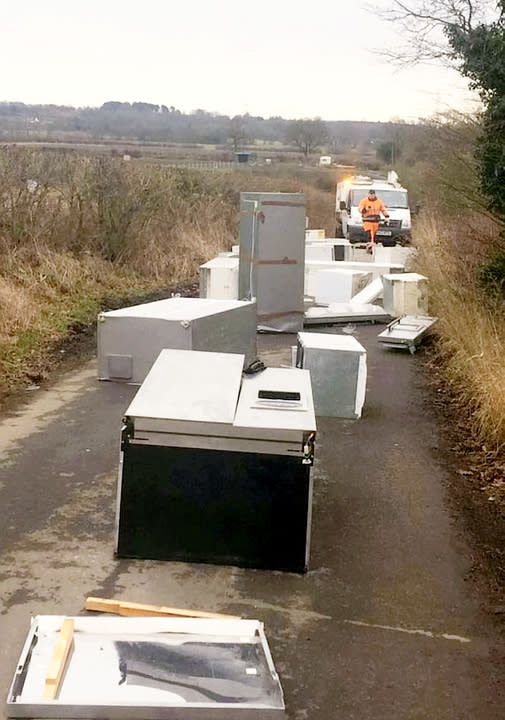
{"x": 491, "y": 276}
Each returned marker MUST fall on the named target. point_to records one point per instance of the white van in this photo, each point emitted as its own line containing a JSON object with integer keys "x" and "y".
{"x": 395, "y": 197}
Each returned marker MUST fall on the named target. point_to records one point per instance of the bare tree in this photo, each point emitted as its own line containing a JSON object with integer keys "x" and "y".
{"x": 425, "y": 26}
{"x": 237, "y": 132}
{"x": 307, "y": 135}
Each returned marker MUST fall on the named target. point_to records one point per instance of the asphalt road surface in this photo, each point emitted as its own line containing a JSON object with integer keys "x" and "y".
{"x": 387, "y": 624}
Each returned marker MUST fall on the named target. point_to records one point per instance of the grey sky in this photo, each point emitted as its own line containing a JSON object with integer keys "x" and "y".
{"x": 268, "y": 57}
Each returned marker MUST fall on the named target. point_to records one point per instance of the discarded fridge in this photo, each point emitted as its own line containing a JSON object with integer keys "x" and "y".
{"x": 219, "y": 278}
{"x": 130, "y": 339}
{"x": 272, "y": 257}
{"x": 216, "y": 468}
{"x": 405, "y": 294}
{"x": 337, "y": 365}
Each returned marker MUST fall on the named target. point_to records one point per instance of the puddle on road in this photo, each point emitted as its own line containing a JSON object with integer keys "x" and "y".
{"x": 40, "y": 412}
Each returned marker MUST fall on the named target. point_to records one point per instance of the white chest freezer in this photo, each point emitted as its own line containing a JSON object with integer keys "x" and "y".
{"x": 215, "y": 467}
{"x": 337, "y": 365}
{"x": 148, "y": 668}
{"x": 405, "y": 294}
{"x": 130, "y": 339}
{"x": 339, "y": 285}
{"x": 319, "y": 250}
{"x": 219, "y": 278}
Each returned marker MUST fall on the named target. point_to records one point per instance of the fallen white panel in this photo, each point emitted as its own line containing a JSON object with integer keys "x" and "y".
{"x": 150, "y": 668}
{"x": 407, "y": 332}
{"x": 337, "y": 365}
{"x": 377, "y": 270}
{"x": 339, "y": 284}
{"x": 371, "y": 292}
{"x": 405, "y": 294}
{"x": 345, "y": 312}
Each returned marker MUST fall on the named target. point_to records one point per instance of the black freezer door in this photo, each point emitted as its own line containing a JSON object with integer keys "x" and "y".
{"x": 231, "y": 508}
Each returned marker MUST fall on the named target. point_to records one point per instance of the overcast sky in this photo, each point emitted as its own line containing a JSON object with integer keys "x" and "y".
{"x": 267, "y": 57}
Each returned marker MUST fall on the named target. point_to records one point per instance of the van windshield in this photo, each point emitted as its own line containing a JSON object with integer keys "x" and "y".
{"x": 390, "y": 198}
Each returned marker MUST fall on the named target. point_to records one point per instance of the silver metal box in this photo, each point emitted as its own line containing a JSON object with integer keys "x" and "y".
{"x": 215, "y": 467}
{"x": 151, "y": 669}
{"x": 272, "y": 257}
{"x": 130, "y": 339}
{"x": 337, "y": 365}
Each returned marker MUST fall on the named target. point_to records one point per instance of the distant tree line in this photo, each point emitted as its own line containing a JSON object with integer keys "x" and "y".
{"x": 161, "y": 123}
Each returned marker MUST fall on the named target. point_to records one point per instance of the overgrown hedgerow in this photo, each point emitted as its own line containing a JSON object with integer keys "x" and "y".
{"x": 76, "y": 229}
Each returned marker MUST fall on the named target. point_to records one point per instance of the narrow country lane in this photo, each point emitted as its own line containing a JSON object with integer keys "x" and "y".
{"x": 387, "y": 624}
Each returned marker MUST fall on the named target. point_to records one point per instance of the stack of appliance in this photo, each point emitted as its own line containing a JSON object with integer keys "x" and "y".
{"x": 215, "y": 467}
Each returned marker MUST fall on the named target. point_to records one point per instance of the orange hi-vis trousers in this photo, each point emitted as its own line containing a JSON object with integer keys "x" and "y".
{"x": 371, "y": 227}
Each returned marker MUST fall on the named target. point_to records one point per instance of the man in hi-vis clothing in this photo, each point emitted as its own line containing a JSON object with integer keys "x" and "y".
{"x": 371, "y": 208}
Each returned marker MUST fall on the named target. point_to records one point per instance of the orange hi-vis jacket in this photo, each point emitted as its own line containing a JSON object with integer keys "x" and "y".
{"x": 371, "y": 210}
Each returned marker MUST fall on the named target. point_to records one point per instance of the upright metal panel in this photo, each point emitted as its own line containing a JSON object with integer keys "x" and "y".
{"x": 272, "y": 257}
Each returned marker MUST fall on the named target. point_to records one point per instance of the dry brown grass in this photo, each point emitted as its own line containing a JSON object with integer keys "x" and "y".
{"x": 471, "y": 331}
{"x": 77, "y": 230}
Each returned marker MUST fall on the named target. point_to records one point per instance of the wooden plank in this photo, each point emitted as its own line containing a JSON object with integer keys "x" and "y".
{"x": 59, "y": 660}
{"x": 131, "y": 609}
